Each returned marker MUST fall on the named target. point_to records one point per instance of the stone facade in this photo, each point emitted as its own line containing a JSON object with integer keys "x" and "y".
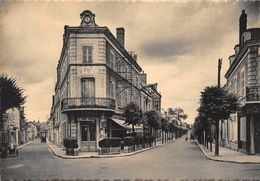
{"x": 96, "y": 78}
{"x": 243, "y": 80}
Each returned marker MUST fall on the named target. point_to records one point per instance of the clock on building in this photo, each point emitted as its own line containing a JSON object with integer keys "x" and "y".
{"x": 87, "y": 19}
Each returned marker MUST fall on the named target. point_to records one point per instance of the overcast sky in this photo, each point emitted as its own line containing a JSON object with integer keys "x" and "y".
{"x": 178, "y": 44}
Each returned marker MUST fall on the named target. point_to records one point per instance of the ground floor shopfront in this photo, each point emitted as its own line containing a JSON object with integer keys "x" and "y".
{"x": 89, "y": 127}
{"x": 249, "y": 129}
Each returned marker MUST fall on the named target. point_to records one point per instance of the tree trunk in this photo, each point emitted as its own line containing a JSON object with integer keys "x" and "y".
{"x": 155, "y": 136}
{"x": 143, "y": 136}
{"x": 151, "y": 133}
{"x": 162, "y": 137}
{"x": 217, "y": 138}
{"x": 133, "y": 130}
{"x": 210, "y": 138}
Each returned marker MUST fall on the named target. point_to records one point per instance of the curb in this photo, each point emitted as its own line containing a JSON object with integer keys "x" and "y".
{"x": 107, "y": 156}
{"x": 227, "y": 161}
{"x": 21, "y": 146}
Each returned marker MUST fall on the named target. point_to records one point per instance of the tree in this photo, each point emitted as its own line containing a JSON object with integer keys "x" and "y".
{"x": 164, "y": 128}
{"x": 177, "y": 113}
{"x": 218, "y": 104}
{"x": 133, "y": 115}
{"x": 153, "y": 120}
{"x": 10, "y": 94}
{"x": 172, "y": 129}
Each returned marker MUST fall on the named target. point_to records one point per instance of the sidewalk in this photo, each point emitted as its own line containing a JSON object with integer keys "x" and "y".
{"x": 228, "y": 155}
{"x": 57, "y": 151}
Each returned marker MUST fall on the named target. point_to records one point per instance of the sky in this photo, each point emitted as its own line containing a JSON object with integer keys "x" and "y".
{"x": 178, "y": 44}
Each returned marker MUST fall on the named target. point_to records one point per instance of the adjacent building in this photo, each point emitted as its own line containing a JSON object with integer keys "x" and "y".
{"x": 14, "y": 125}
{"x": 32, "y": 130}
{"x": 96, "y": 78}
{"x": 243, "y": 79}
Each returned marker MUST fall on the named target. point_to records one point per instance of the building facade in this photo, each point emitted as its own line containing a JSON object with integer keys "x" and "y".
{"x": 31, "y": 130}
{"x": 96, "y": 78}
{"x": 14, "y": 125}
{"x": 243, "y": 79}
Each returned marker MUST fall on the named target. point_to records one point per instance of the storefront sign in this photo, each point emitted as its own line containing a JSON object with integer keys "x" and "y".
{"x": 253, "y": 109}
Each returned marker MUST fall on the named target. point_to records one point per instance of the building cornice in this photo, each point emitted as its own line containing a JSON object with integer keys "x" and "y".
{"x": 95, "y": 30}
{"x": 248, "y": 43}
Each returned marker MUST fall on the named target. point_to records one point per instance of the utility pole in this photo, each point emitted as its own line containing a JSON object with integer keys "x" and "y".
{"x": 219, "y": 70}
{"x": 217, "y": 121}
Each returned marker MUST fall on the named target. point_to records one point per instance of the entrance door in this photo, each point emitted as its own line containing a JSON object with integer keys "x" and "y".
{"x": 257, "y": 133}
{"x": 88, "y": 136}
{"x": 85, "y": 133}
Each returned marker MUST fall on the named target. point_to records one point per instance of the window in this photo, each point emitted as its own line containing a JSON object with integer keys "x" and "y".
{"x": 235, "y": 85}
{"x": 88, "y": 87}
{"x": 112, "y": 89}
{"x": 112, "y": 59}
{"x": 126, "y": 72}
{"x": 87, "y": 54}
{"x": 232, "y": 86}
{"x": 119, "y": 99}
{"x": 242, "y": 83}
{"x": 125, "y": 97}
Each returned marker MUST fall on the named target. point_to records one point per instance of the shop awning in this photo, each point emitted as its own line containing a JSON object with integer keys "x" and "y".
{"x": 127, "y": 127}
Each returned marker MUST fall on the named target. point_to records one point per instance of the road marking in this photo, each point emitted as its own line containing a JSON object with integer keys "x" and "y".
{"x": 16, "y": 166}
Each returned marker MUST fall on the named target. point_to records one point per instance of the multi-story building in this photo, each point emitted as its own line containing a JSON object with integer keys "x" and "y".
{"x": 14, "y": 125}
{"x": 96, "y": 78}
{"x": 31, "y": 130}
{"x": 243, "y": 79}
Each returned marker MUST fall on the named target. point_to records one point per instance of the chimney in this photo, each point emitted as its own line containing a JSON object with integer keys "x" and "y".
{"x": 120, "y": 35}
{"x": 242, "y": 26}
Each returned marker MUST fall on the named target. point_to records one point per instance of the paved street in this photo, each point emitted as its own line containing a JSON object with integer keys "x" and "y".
{"x": 179, "y": 160}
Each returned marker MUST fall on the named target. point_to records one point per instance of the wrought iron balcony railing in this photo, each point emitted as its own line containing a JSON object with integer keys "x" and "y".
{"x": 253, "y": 93}
{"x": 96, "y": 102}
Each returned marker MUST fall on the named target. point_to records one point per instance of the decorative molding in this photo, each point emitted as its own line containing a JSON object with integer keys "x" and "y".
{"x": 87, "y": 19}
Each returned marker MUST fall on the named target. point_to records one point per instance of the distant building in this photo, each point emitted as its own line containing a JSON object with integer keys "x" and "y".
{"x": 243, "y": 79}
{"x": 31, "y": 130}
{"x": 96, "y": 78}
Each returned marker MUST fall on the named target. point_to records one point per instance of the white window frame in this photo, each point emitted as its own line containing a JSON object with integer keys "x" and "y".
{"x": 89, "y": 53}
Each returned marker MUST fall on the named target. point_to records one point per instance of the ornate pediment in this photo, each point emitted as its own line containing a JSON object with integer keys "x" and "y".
{"x": 87, "y": 19}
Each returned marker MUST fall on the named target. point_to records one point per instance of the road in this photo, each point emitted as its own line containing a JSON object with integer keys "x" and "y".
{"x": 175, "y": 161}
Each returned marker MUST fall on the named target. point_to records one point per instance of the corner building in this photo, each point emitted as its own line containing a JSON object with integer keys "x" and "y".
{"x": 96, "y": 78}
{"x": 243, "y": 79}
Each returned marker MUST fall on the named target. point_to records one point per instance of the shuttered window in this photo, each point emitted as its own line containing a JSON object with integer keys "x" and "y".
{"x": 87, "y": 54}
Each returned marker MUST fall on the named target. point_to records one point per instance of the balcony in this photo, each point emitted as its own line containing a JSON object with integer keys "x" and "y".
{"x": 87, "y": 103}
{"x": 253, "y": 93}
